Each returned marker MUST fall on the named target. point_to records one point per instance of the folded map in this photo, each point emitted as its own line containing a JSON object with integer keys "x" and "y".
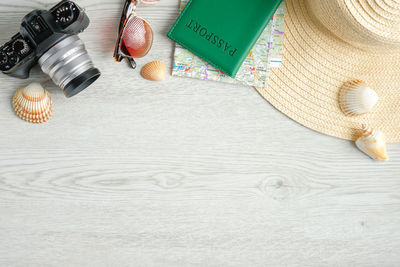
{"x": 266, "y": 54}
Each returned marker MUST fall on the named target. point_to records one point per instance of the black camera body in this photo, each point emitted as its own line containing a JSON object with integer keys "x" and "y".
{"x": 41, "y": 33}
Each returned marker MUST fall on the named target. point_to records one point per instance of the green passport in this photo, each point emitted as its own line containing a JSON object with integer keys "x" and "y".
{"x": 222, "y": 32}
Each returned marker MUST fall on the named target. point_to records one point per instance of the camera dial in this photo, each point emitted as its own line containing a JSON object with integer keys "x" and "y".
{"x": 3, "y": 58}
{"x": 12, "y": 58}
{"x": 65, "y": 13}
{"x": 8, "y": 59}
{"x": 20, "y": 46}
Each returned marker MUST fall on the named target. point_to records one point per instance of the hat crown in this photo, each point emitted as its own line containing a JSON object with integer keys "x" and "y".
{"x": 367, "y": 24}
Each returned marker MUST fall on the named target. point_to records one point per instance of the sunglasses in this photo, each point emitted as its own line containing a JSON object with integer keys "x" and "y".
{"x": 135, "y": 36}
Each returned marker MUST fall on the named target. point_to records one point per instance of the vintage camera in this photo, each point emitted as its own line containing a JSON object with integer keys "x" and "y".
{"x": 50, "y": 39}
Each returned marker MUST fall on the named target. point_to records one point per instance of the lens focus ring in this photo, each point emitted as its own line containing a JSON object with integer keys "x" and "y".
{"x": 66, "y": 61}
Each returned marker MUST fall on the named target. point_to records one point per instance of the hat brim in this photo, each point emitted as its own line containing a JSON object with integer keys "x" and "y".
{"x": 315, "y": 66}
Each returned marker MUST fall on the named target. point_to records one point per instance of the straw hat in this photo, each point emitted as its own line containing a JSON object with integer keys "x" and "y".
{"x": 330, "y": 42}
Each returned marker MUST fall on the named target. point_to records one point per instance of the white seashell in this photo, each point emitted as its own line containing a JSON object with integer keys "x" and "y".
{"x": 33, "y": 103}
{"x": 372, "y": 142}
{"x": 154, "y": 71}
{"x": 356, "y": 98}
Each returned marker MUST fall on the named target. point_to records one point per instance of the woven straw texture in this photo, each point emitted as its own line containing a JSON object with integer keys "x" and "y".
{"x": 320, "y": 56}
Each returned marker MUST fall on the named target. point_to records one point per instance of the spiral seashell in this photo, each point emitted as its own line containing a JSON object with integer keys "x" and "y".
{"x": 356, "y": 98}
{"x": 154, "y": 71}
{"x": 372, "y": 142}
{"x": 33, "y": 103}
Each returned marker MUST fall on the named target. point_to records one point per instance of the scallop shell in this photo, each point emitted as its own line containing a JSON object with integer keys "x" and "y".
{"x": 33, "y": 103}
{"x": 356, "y": 98}
{"x": 154, "y": 71}
{"x": 372, "y": 142}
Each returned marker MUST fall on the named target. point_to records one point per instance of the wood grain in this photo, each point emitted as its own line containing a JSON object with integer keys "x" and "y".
{"x": 181, "y": 173}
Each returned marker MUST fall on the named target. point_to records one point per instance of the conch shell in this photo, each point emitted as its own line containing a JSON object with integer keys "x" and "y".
{"x": 33, "y": 103}
{"x": 154, "y": 71}
{"x": 356, "y": 98}
{"x": 372, "y": 142}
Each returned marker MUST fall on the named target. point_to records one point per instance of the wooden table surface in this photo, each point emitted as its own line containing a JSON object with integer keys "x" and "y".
{"x": 180, "y": 173}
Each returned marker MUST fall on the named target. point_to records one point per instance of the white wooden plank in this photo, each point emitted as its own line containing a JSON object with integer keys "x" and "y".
{"x": 181, "y": 173}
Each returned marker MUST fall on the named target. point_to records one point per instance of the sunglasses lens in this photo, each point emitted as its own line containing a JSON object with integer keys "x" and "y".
{"x": 137, "y": 38}
{"x": 149, "y": 2}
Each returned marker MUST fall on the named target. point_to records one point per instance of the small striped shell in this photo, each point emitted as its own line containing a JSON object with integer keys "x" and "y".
{"x": 372, "y": 142}
{"x": 356, "y": 98}
{"x": 33, "y": 103}
{"x": 154, "y": 71}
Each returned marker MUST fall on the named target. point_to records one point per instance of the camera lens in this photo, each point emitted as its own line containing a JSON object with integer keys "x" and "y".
{"x": 69, "y": 65}
{"x": 81, "y": 82}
